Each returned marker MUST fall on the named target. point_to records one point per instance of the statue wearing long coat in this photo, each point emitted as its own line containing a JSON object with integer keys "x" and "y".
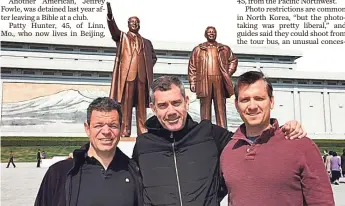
{"x": 132, "y": 74}
{"x": 197, "y": 69}
{"x": 122, "y": 64}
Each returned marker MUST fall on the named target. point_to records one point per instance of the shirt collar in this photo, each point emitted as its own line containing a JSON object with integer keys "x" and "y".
{"x": 265, "y": 136}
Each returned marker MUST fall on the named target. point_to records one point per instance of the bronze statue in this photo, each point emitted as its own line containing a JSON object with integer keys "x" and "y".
{"x": 133, "y": 72}
{"x": 210, "y": 67}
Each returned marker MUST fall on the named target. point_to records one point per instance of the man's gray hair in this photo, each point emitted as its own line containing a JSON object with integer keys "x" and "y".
{"x": 164, "y": 83}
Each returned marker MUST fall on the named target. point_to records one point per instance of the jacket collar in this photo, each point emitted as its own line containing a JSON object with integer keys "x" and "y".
{"x": 265, "y": 136}
{"x": 79, "y": 157}
{"x": 155, "y": 127}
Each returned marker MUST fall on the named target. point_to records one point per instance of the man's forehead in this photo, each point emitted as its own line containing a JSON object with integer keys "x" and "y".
{"x": 168, "y": 96}
{"x": 167, "y": 100}
{"x": 105, "y": 113}
{"x": 257, "y": 87}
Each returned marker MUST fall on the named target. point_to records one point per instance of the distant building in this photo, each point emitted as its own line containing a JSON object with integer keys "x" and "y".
{"x": 47, "y": 87}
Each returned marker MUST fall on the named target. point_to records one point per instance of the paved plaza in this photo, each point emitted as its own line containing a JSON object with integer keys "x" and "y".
{"x": 19, "y": 185}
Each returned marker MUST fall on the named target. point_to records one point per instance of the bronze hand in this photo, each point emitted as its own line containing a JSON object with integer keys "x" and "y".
{"x": 110, "y": 12}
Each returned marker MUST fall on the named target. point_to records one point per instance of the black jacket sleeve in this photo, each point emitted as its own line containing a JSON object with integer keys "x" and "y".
{"x": 139, "y": 201}
{"x": 47, "y": 189}
{"x": 140, "y": 187}
{"x": 221, "y": 136}
{"x": 223, "y": 190}
{"x": 52, "y": 189}
{"x": 135, "y": 154}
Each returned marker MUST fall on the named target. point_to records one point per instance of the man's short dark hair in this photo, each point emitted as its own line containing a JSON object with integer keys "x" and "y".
{"x": 164, "y": 83}
{"x": 103, "y": 104}
{"x": 251, "y": 77}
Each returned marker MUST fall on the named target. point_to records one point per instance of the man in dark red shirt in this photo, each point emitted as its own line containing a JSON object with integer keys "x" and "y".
{"x": 258, "y": 167}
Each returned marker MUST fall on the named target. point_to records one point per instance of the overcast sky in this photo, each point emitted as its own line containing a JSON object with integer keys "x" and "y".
{"x": 186, "y": 20}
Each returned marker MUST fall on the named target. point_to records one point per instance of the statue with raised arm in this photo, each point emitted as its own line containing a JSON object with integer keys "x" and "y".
{"x": 210, "y": 68}
{"x": 133, "y": 72}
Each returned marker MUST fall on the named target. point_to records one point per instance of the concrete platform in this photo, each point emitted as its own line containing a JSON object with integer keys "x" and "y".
{"x": 19, "y": 185}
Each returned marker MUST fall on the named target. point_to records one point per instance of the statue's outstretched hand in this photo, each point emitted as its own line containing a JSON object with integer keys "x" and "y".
{"x": 114, "y": 30}
{"x": 110, "y": 12}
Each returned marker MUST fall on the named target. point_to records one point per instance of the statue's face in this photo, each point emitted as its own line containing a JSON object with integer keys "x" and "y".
{"x": 211, "y": 34}
{"x": 134, "y": 24}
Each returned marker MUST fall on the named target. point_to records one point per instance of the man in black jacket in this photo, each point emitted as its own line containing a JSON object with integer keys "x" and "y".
{"x": 99, "y": 173}
{"x": 178, "y": 157}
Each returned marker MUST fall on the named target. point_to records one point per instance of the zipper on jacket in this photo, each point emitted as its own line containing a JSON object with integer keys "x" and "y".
{"x": 176, "y": 170}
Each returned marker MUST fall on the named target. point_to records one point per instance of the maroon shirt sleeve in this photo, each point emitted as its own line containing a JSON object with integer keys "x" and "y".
{"x": 315, "y": 181}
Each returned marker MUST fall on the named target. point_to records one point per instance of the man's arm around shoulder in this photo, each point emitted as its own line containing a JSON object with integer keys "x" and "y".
{"x": 315, "y": 181}
{"x": 221, "y": 136}
{"x": 135, "y": 153}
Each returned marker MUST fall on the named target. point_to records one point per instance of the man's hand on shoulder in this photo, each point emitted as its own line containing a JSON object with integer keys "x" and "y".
{"x": 70, "y": 156}
{"x": 293, "y": 130}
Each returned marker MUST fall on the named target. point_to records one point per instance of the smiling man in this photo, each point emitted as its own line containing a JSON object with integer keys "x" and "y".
{"x": 178, "y": 157}
{"x": 259, "y": 166}
{"x": 99, "y": 173}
